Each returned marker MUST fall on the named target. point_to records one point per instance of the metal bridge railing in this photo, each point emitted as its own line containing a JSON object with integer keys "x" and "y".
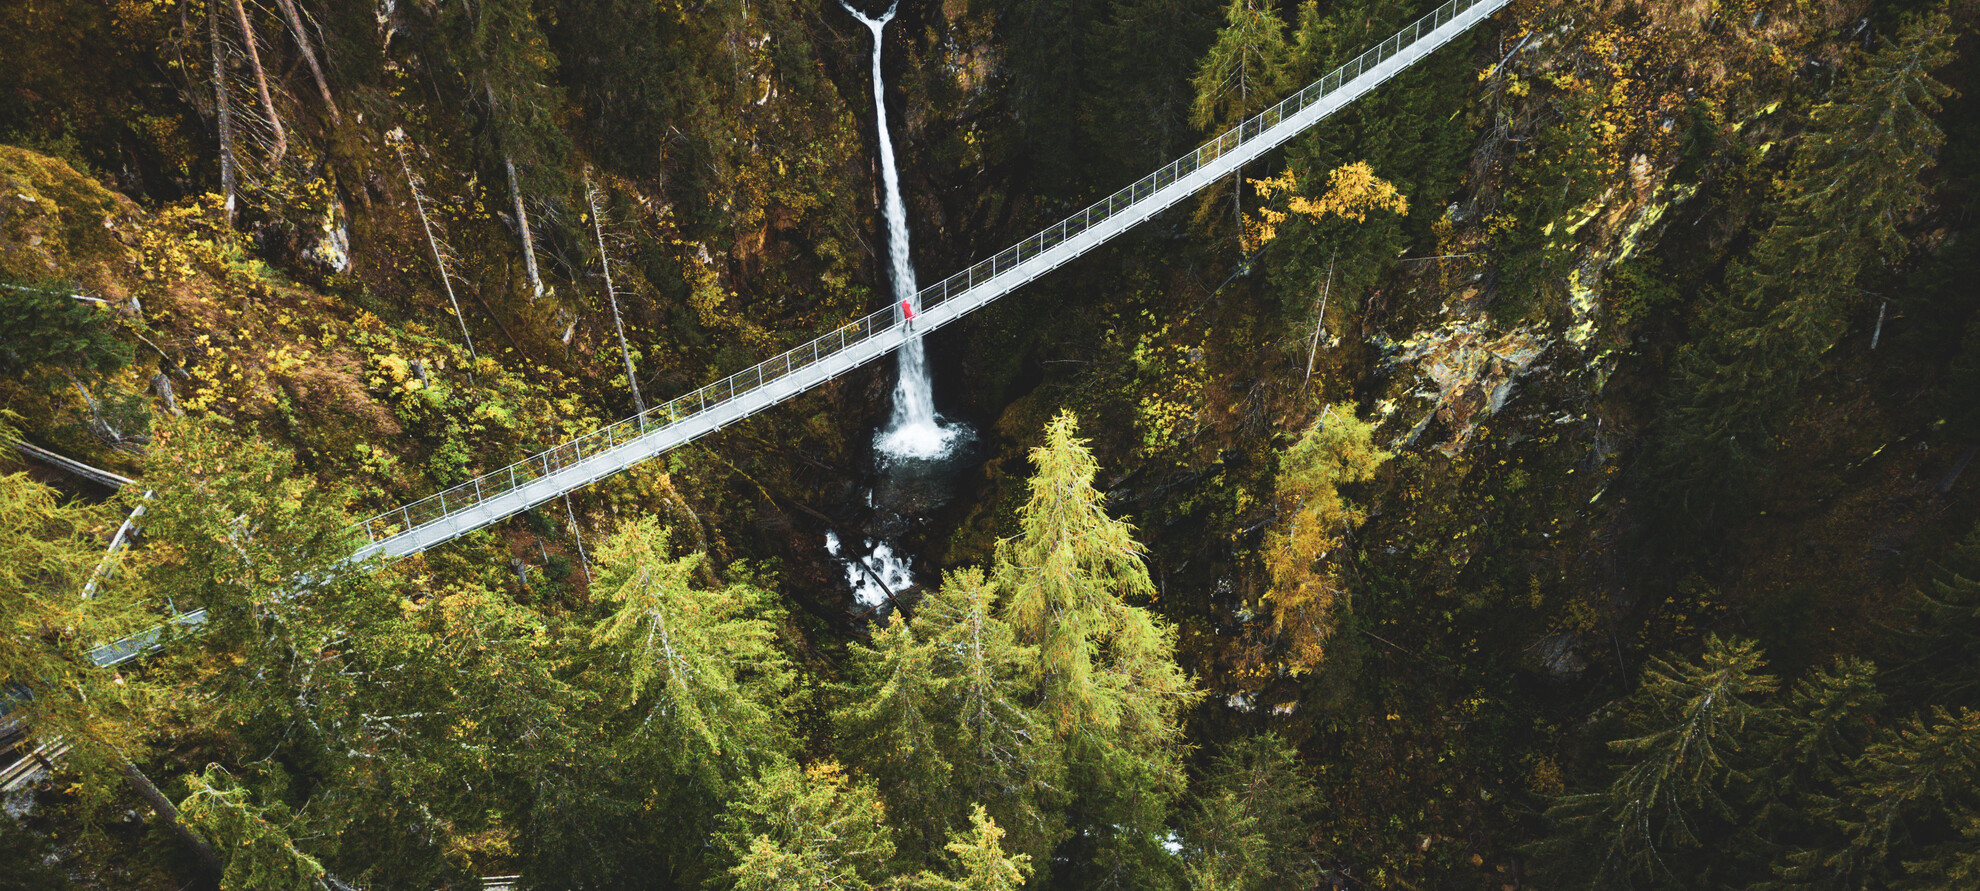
{"x": 1130, "y": 200}
{"x": 1131, "y": 197}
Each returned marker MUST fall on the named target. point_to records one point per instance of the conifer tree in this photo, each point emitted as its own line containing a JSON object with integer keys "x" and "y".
{"x": 935, "y": 714}
{"x": 1243, "y": 71}
{"x": 1007, "y": 758}
{"x": 806, "y": 829}
{"x": 1946, "y": 635}
{"x": 702, "y": 666}
{"x": 895, "y": 728}
{"x": 1909, "y": 813}
{"x": 1306, "y": 596}
{"x": 1673, "y": 778}
{"x": 260, "y": 850}
{"x": 980, "y": 863}
{"x": 1855, "y": 179}
{"x": 1247, "y": 827}
{"x": 47, "y": 681}
{"x": 1110, "y": 687}
{"x": 510, "y": 68}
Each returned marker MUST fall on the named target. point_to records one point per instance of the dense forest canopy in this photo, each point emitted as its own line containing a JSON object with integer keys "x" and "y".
{"x": 1554, "y": 469}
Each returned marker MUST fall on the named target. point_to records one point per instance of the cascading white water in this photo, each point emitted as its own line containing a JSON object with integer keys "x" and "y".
{"x": 915, "y": 431}
{"x": 875, "y": 577}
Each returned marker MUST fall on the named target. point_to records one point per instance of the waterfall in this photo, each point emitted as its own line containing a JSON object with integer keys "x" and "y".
{"x": 915, "y": 431}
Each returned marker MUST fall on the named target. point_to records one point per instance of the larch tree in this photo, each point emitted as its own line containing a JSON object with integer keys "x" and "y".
{"x": 60, "y": 697}
{"x": 1109, "y": 688}
{"x": 893, "y": 728}
{"x": 1006, "y": 757}
{"x": 806, "y": 829}
{"x": 935, "y": 713}
{"x": 255, "y": 838}
{"x": 1307, "y": 593}
{"x": 1240, "y": 75}
{"x": 1243, "y": 71}
{"x": 978, "y": 861}
{"x": 701, "y": 667}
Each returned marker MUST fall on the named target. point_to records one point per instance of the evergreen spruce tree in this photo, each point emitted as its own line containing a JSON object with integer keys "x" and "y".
{"x": 1945, "y": 635}
{"x": 1855, "y": 179}
{"x": 1670, "y": 793}
{"x": 1908, "y": 814}
{"x": 1828, "y": 720}
{"x": 1247, "y": 827}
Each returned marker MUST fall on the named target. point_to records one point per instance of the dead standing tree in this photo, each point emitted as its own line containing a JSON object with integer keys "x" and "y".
{"x": 253, "y": 46}
{"x": 223, "y": 112}
{"x": 433, "y": 242}
{"x": 295, "y": 21}
{"x": 592, "y": 198}
{"x": 516, "y": 195}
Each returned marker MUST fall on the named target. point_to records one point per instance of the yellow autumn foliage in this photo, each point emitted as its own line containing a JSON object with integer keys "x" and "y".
{"x": 1306, "y": 592}
{"x": 1353, "y": 190}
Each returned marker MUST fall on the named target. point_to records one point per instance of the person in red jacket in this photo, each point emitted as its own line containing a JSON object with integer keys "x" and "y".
{"x": 907, "y": 313}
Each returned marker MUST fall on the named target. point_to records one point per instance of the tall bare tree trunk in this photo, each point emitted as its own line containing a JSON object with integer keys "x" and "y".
{"x": 515, "y": 192}
{"x": 611, "y": 294}
{"x": 261, "y": 84}
{"x": 223, "y": 112}
{"x": 396, "y": 138}
{"x": 159, "y": 803}
{"x": 1320, "y": 317}
{"x": 309, "y": 57}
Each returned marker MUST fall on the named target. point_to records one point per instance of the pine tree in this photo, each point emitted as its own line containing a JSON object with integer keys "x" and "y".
{"x": 1306, "y": 596}
{"x": 1247, "y": 827}
{"x": 1673, "y": 778}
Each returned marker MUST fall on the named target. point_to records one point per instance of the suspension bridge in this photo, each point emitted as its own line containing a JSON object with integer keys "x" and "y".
{"x": 491, "y": 497}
